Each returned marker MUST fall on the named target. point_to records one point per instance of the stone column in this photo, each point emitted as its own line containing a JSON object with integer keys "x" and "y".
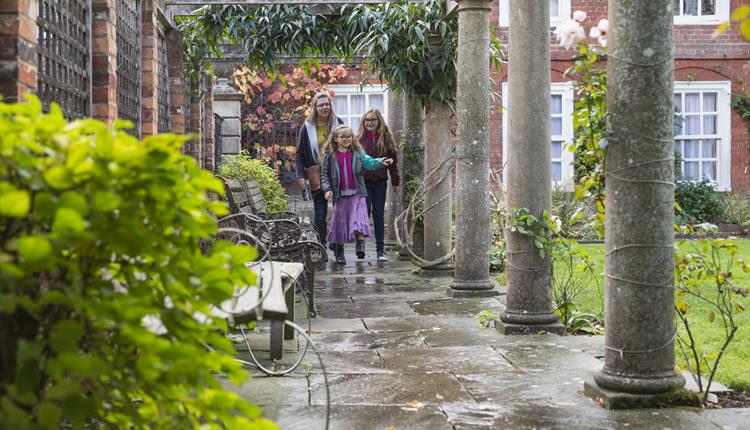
{"x": 393, "y": 200}
{"x": 529, "y": 177}
{"x": 472, "y": 273}
{"x": 227, "y": 104}
{"x": 437, "y": 182}
{"x": 639, "y": 264}
{"x": 413, "y": 153}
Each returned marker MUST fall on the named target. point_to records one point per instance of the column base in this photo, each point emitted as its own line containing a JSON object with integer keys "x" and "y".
{"x": 473, "y": 294}
{"x": 467, "y": 285}
{"x": 609, "y": 380}
{"x": 509, "y": 329}
{"x": 618, "y": 400}
{"x": 441, "y": 271}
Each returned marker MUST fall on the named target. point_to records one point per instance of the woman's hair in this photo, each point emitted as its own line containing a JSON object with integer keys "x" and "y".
{"x": 331, "y": 145}
{"x": 312, "y": 117}
{"x": 385, "y": 142}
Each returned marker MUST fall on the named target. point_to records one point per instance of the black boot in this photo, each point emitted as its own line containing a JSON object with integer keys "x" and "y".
{"x": 360, "y": 247}
{"x": 340, "y": 254}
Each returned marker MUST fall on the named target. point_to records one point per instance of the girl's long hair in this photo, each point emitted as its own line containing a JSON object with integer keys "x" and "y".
{"x": 386, "y": 143}
{"x": 331, "y": 146}
{"x": 312, "y": 116}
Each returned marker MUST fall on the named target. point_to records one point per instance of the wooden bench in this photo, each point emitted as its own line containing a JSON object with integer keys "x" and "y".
{"x": 260, "y": 208}
{"x": 273, "y": 301}
{"x": 286, "y": 240}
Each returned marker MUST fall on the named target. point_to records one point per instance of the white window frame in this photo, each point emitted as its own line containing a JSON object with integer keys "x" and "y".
{"x": 723, "y": 126}
{"x": 349, "y": 90}
{"x": 563, "y": 6}
{"x": 565, "y": 89}
{"x": 721, "y": 15}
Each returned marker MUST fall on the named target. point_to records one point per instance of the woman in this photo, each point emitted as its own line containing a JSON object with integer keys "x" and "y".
{"x": 377, "y": 141}
{"x": 312, "y": 136}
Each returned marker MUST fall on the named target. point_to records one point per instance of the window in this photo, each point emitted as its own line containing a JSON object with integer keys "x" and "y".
{"x": 559, "y": 12}
{"x": 702, "y": 131}
{"x": 350, "y": 102}
{"x": 561, "y": 130}
{"x": 700, "y": 12}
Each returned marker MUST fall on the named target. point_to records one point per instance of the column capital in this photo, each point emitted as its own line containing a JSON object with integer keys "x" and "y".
{"x": 465, "y": 5}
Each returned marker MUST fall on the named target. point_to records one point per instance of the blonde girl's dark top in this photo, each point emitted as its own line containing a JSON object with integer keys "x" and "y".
{"x": 369, "y": 142}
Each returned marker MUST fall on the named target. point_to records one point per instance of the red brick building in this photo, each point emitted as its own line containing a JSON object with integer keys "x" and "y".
{"x": 713, "y": 141}
{"x": 105, "y": 59}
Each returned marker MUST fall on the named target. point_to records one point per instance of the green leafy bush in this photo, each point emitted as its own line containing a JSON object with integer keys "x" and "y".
{"x": 735, "y": 208}
{"x": 697, "y": 202}
{"x": 244, "y": 168}
{"x": 98, "y": 236}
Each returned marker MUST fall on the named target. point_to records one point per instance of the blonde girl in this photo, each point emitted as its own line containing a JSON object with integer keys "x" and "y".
{"x": 377, "y": 141}
{"x": 343, "y": 164}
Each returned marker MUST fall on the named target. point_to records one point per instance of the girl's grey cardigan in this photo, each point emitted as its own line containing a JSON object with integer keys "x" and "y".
{"x": 331, "y": 177}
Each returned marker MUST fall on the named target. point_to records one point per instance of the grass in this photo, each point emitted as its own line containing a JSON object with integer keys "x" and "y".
{"x": 734, "y": 369}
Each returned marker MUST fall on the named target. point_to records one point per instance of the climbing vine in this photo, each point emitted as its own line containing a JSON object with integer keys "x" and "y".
{"x": 392, "y": 39}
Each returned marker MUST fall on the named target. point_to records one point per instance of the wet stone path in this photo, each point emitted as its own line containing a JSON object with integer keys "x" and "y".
{"x": 398, "y": 353}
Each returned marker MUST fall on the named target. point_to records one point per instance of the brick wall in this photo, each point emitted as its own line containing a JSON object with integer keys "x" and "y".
{"x": 104, "y": 61}
{"x": 149, "y": 68}
{"x": 18, "y": 38}
{"x": 698, "y": 57}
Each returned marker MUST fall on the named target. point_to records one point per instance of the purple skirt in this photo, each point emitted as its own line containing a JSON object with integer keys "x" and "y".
{"x": 349, "y": 215}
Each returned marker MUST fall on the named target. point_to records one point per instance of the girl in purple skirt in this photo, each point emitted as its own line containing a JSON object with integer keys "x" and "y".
{"x": 344, "y": 161}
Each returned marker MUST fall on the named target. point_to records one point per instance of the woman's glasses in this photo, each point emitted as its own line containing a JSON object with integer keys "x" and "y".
{"x": 371, "y": 120}
{"x": 345, "y": 137}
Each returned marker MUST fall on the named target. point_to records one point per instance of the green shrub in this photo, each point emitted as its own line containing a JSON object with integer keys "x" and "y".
{"x": 735, "y": 208}
{"x": 98, "y": 235}
{"x": 698, "y": 202}
{"x": 244, "y": 168}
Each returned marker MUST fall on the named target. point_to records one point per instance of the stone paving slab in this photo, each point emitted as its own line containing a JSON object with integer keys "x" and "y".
{"x": 264, "y": 390}
{"x": 448, "y": 306}
{"x": 341, "y": 325}
{"x": 344, "y": 417}
{"x": 389, "y": 389}
{"x": 528, "y": 416}
{"x": 432, "y": 322}
{"x": 728, "y": 419}
{"x": 363, "y": 309}
{"x": 458, "y": 359}
{"x": 458, "y": 337}
{"x": 367, "y": 341}
{"x": 367, "y": 361}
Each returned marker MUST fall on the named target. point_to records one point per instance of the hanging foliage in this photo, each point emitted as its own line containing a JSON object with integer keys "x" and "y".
{"x": 393, "y": 38}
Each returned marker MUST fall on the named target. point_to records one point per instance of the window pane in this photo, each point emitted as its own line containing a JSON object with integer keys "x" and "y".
{"x": 690, "y": 7}
{"x": 376, "y": 101}
{"x": 709, "y": 170}
{"x": 692, "y": 124}
{"x": 708, "y": 7}
{"x": 556, "y": 126}
{"x": 677, "y": 7}
{"x": 691, "y": 171}
{"x": 556, "y": 106}
{"x": 556, "y": 150}
{"x": 339, "y": 105}
{"x": 554, "y": 8}
{"x": 709, "y": 102}
{"x": 692, "y": 149}
{"x": 358, "y": 104}
{"x": 709, "y": 148}
{"x": 557, "y": 171}
{"x": 692, "y": 102}
{"x": 355, "y": 123}
{"x": 709, "y": 124}
{"x": 679, "y": 121}
{"x": 678, "y": 103}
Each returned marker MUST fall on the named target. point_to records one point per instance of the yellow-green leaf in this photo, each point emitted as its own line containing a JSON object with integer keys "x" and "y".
{"x": 745, "y": 29}
{"x": 683, "y": 307}
{"x": 65, "y": 335}
{"x": 34, "y": 249}
{"x": 49, "y": 415}
{"x": 741, "y": 12}
{"x": 15, "y": 204}
{"x": 711, "y": 317}
{"x": 58, "y": 177}
{"x": 68, "y": 221}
